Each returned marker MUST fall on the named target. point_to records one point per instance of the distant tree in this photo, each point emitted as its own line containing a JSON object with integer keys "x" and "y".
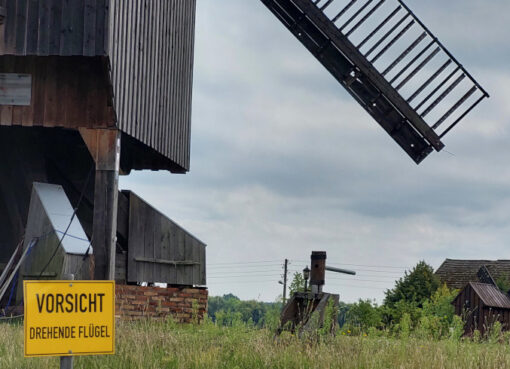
{"x": 229, "y": 310}
{"x": 410, "y": 292}
{"x": 363, "y": 315}
{"x": 224, "y": 303}
{"x": 343, "y": 311}
{"x": 503, "y": 284}
{"x": 297, "y": 284}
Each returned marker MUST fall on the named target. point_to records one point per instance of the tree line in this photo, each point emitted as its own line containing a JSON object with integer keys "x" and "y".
{"x": 417, "y": 303}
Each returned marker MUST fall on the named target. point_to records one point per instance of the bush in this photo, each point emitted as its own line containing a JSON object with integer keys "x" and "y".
{"x": 363, "y": 315}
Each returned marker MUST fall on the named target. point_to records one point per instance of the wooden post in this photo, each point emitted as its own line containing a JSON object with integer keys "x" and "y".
{"x": 104, "y": 145}
{"x": 285, "y": 281}
{"x": 66, "y": 362}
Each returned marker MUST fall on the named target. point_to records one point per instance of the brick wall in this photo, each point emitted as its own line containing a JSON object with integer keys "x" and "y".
{"x": 182, "y": 304}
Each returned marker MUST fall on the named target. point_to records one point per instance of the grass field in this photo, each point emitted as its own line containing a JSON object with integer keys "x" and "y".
{"x": 166, "y": 345}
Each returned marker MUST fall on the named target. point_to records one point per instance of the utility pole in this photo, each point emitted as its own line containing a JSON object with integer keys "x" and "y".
{"x": 285, "y": 265}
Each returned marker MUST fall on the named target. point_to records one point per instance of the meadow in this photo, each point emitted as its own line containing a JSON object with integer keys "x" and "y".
{"x": 164, "y": 344}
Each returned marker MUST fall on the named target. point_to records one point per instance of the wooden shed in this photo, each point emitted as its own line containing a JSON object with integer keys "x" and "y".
{"x": 481, "y": 305}
{"x": 153, "y": 248}
{"x": 90, "y": 90}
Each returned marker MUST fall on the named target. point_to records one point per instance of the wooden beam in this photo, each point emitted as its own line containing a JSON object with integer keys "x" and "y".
{"x": 104, "y": 146}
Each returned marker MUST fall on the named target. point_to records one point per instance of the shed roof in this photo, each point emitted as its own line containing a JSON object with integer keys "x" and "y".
{"x": 491, "y": 295}
{"x": 458, "y": 273}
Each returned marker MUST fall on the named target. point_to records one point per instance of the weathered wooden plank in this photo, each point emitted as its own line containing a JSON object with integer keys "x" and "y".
{"x": 102, "y": 26}
{"x": 203, "y": 263}
{"x": 55, "y": 27}
{"x": 32, "y": 36}
{"x": 89, "y": 28}
{"x": 195, "y": 255}
{"x": 21, "y": 26}
{"x": 159, "y": 250}
{"x": 105, "y": 204}
{"x": 136, "y": 242}
{"x": 43, "y": 39}
{"x": 149, "y": 247}
{"x": 9, "y": 46}
{"x": 29, "y": 111}
{"x": 155, "y": 104}
{"x": 120, "y": 267}
{"x": 180, "y": 254}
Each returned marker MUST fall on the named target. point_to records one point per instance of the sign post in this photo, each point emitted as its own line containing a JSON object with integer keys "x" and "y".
{"x": 69, "y": 318}
{"x": 67, "y": 362}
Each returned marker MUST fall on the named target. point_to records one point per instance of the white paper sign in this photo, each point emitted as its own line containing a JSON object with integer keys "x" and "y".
{"x": 15, "y": 89}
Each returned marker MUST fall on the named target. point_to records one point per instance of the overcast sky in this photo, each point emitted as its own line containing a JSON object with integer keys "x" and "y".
{"x": 284, "y": 161}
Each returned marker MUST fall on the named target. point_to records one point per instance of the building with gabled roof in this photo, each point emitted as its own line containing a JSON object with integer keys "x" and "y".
{"x": 481, "y": 305}
{"x": 456, "y": 273}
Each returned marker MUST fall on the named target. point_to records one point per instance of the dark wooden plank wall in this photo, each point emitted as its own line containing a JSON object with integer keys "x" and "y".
{"x": 55, "y": 27}
{"x": 151, "y": 52}
{"x": 155, "y": 242}
{"x": 69, "y": 92}
{"x": 477, "y": 315}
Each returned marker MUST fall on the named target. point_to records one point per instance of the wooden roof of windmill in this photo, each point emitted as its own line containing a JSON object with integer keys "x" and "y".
{"x": 106, "y": 64}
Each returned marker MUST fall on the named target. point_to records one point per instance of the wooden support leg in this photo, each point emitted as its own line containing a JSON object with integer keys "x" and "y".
{"x": 104, "y": 145}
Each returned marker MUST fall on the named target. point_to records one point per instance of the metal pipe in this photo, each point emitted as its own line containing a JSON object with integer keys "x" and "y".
{"x": 339, "y": 270}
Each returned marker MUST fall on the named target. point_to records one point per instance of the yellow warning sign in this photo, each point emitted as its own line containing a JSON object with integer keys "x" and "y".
{"x": 67, "y": 318}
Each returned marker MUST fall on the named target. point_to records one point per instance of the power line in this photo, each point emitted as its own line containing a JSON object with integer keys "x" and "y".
{"x": 359, "y": 275}
{"x": 240, "y": 271}
{"x": 360, "y": 265}
{"x": 245, "y": 276}
{"x": 246, "y": 262}
{"x": 248, "y": 267}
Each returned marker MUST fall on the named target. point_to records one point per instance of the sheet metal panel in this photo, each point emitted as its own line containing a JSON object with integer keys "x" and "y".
{"x": 151, "y": 52}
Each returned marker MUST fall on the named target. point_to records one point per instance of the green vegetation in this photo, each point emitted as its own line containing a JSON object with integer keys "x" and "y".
{"x": 163, "y": 344}
{"x": 417, "y": 305}
{"x": 414, "y": 328}
{"x": 229, "y": 310}
{"x": 297, "y": 284}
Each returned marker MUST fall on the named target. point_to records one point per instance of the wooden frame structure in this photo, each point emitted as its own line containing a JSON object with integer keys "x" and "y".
{"x": 390, "y": 62}
{"x": 109, "y": 86}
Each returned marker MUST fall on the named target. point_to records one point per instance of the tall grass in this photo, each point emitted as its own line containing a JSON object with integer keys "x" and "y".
{"x": 149, "y": 344}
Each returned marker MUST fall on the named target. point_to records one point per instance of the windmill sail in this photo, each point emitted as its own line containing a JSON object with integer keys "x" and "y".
{"x": 390, "y": 62}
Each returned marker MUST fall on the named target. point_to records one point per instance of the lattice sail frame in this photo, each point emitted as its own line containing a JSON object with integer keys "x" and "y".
{"x": 390, "y": 62}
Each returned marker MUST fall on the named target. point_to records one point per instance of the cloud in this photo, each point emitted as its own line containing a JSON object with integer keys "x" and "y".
{"x": 284, "y": 161}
